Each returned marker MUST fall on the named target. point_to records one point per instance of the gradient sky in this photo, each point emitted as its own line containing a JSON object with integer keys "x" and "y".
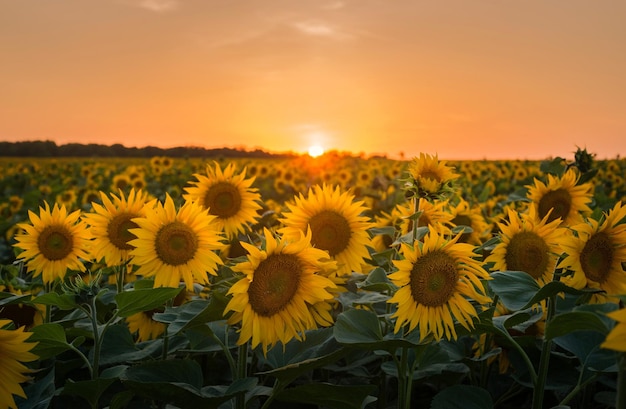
{"x": 465, "y": 79}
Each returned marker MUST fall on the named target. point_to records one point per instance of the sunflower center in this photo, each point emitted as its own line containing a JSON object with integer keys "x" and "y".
{"x": 176, "y": 243}
{"x": 55, "y": 242}
{"x": 596, "y": 257}
{"x": 330, "y": 231}
{"x": 529, "y": 253}
{"x": 430, "y": 174}
{"x": 433, "y": 279}
{"x": 117, "y": 230}
{"x": 275, "y": 283}
{"x": 223, "y": 200}
{"x": 560, "y": 201}
{"x": 463, "y": 220}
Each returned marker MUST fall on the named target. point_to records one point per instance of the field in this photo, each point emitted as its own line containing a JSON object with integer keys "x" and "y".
{"x": 330, "y": 282}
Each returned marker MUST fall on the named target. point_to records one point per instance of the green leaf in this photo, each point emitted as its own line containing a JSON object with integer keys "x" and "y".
{"x": 8, "y": 298}
{"x": 62, "y": 301}
{"x": 565, "y": 323}
{"x": 358, "y": 327}
{"x": 133, "y": 302}
{"x": 39, "y": 394}
{"x": 520, "y": 320}
{"x": 179, "y": 382}
{"x": 555, "y": 166}
{"x": 585, "y": 345}
{"x": 377, "y": 280}
{"x": 515, "y": 288}
{"x": 90, "y": 390}
{"x": 328, "y": 395}
{"x": 318, "y": 349}
{"x": 462, "y": 397}
{"x": 51, "y": 340}
{"x": 189, "y": 315}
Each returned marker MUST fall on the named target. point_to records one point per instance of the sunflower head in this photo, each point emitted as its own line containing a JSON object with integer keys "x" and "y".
{"x": 596, "y": 253}
{"x": 336, "y": 222}
{"x": 54, "y": 242}
{"x": 437, "y": 279}
{"x": 284, "y": 291}
{"x": 14, "y": 350}
{"x": 528, "y": 244}
{"x": 111, "y": 223}
{"x": 562, "y": 197}
{"x": 228, "y": 196}
{"x": 174, "y": 245}
{"x": 430, "y": 177}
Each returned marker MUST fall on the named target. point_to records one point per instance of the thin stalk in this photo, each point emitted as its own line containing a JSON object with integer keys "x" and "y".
{"x": 121, "y": 272}
{"x": 278, "y": 387}
{"x": 579, "y": 386}
{"x": 48, "y": 314}
{"x": 84, "y": 358}
{"x": 621, "y": 383}
{"x": 166, "y": 345}
{"x": 403, "y": 395}
{"x": 544, "y": 360}
{"x": 97, "y": 342}
{"x": 242, "y": 372}
{"x": 229, "y": 356}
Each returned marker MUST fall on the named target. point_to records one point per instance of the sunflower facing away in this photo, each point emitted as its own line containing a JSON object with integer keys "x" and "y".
{"x": 110, "y": 224}
{"x": 176, "y": 245}
{"x": 430, "y": 175}
{"x": 228, "y": 196}
{"x": 336, "y": 224}
{"x": 53, "y": 242}
{"x": 615, "y": 339}
{"x": 561, "y": 195}
{"x": 435, "y": 280}
{"x": 528, "y": 244}
{"x": 13, "y": 351}
{"x": 597, "y": 252}
{"x": 284, "y": 292}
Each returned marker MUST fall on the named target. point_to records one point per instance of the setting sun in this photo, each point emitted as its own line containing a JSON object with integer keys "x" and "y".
{"x": 315, "y": 151}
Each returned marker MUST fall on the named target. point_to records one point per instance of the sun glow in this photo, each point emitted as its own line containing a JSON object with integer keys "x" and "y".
{"x": 315, "y": 151}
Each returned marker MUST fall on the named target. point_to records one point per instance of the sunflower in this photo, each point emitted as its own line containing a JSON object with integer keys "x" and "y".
{"x": 528, "y": 244}
{"x": 336, "y": 222}
{"x": 464, "y": 214}
{"x": 432, "y": 212}
{"x": 67, "y": 198}
{"x": 430, "y": 175}
{"x": 110, "y": 224}
{"x": 145, "y": 327}
{"x": 13, "y": 351}
{"x": 173, "y": 245}
{"x": 596, "y": 253}
{"x": 436, "y": 280}
{"x": 26, "y": 315}
{"x": 561, "y": 195}
{"x": 284, "y": 292}
{"x": 54, "y": 242}
{"x": 615, "y": 338}
{"x": 229, "y": 197}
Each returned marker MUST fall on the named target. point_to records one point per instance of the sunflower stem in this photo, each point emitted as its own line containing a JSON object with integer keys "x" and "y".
{"x": 621, "y": 383}
{"x": 121, "y": 272}
{"x": 242, "y": 372}
{"x": 96, "y": 339}
{"x": 544, "y": 360}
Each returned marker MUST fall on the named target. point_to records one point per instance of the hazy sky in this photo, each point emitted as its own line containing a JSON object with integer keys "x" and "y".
{"x": 465, "y": 79}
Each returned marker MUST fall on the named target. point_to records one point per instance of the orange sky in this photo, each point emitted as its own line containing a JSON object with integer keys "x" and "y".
{"x": 464, "y": 79}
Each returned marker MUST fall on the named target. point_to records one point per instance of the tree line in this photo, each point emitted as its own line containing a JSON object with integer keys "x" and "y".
{"x": 51, "y": 149}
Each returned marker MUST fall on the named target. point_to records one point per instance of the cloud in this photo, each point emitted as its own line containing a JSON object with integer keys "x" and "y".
{"x": 320, "y": 29}
{"x": 158, "y": 6}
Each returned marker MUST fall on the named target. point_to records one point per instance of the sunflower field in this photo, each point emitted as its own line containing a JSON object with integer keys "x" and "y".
{"x": 329, "y": 282}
